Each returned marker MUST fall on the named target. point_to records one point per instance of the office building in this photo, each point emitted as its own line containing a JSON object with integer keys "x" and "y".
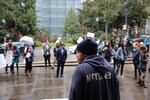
{"x": 51, "y": 14}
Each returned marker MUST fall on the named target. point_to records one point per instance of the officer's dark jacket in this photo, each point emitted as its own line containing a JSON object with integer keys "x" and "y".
{"x": 94, "y": 79}
{"x": 61, "y": 57}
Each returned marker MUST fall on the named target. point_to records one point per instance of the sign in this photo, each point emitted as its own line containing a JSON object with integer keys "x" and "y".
{"x": 80, "y": 39}
{"x": 124, "y": 27}
{"x": 90, "y": 35}
{"x": 2, "y": 61}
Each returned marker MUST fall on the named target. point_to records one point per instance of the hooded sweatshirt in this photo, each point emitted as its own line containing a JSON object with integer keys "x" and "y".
{"x": 94, "y": 79}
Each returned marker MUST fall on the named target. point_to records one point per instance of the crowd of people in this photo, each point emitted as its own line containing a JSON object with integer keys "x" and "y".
{"x": 95, "y": 78}
{"x": 94, "y": 70}
{"x": 12, "y": 54}
{"x": 119, "y": 53}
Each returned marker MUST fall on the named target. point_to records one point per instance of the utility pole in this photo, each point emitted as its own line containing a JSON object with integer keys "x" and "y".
{"x": 4, "y": 22}
{"x": 106, "y": 22}
{"x": 126, "y": 15}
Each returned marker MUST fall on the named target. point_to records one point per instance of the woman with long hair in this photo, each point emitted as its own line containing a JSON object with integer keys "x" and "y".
{"x": 121, "y": 55}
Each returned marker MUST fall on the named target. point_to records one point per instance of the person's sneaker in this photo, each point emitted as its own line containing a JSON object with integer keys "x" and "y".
{"x": 144, "y": 86}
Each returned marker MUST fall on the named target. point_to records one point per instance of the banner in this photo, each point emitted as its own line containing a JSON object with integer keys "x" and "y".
{"x": 2, "y": 61}
{"x": 9, "y": 57}
{"x": 90, "y": 35}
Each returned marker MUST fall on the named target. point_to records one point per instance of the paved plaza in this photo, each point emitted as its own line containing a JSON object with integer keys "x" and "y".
{"x": 43, "y": 85}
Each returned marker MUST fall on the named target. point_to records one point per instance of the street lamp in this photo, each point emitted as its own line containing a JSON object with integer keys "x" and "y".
{"x": 97, "y": 24}
{"x": 4, "y": 22}
{"x": 126, "y": 15}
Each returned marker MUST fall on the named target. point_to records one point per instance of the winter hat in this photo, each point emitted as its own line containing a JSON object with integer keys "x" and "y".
{"x": 88, "y": 47}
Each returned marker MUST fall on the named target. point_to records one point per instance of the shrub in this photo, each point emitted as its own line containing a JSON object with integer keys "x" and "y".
{"x": 38, "y": 43}
{"x": 74, "y": 38}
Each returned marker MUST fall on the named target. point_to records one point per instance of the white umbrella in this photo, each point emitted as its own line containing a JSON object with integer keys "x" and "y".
{"x": 27, "y": 40}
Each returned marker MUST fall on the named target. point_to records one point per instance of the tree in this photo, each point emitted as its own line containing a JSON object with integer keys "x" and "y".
{"x": 112, "y": 14}
{"x": 105, "y": 10}
{"x": 20, "y": 19}
{"x": 72, "y": 25}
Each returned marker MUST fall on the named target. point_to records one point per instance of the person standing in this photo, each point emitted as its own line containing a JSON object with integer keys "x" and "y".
{"x": 47, "y": 54}
{"x": 9, "y": 56}
{"x": 107, "y": 51}
{"x": 115, "y": 60}
{"x": 16, "y": 54}
{"x": 94, "y": 78}
{"x": 142, "y": 65}
{"x": 135, "y": 56}
{"x": 121, "y": 55}
{"x": 61, "y": 56}
{"x": 28, "y": 60}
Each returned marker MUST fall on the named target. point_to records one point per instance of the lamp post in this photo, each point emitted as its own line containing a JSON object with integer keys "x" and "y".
{"x": 97, "y": 22}
{"x": 126, "y": 15}
{"x": 106, "y": 21}
{"x": 4, "y": 22}
{"x": 97, "y": 25}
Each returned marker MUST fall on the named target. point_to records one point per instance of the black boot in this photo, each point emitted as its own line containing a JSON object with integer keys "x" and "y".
{"x": 6, "y": 69}
{"x": 12, "y": 69}
{"x": 143, "y": 84}
{"x": 139, "y": 82}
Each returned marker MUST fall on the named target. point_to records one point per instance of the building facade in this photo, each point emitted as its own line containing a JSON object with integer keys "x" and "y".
{"x": 51, "y": 14}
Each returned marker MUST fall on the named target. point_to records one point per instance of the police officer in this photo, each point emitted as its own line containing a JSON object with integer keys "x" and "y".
{"x": 94, "y": 78}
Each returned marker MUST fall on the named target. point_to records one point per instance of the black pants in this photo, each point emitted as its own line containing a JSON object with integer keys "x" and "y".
{"x": 47, "y": 59}
{"x": 115, "y": 63}
{"x": 120, "y": 64}
{"x": 11, "y": 68}
{"x": 6, "y": 68}
{"x": 136, "y": 69}
{"x": 60, "y": 65}
{"x": 28, "y": 67}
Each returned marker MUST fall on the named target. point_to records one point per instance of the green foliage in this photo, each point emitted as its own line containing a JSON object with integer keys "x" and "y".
{"x": 45, "y": 30}
{"x": 73, "y": 39}
{"x": 72, "y": 25}
{"x": 19, "y": 17}
{"x": 38, "y": 43}
{"x": 112, "y": 12}
{"x": 105, "y": 10}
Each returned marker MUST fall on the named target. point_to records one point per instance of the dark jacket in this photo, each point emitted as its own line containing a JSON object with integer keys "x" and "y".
{"x": 107, "y": 54}
{"x": 135, "y": 56}
{"x": 61, "y": 56}
{"x": 94, "y": 79}
{"x": 55, "y": 50}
